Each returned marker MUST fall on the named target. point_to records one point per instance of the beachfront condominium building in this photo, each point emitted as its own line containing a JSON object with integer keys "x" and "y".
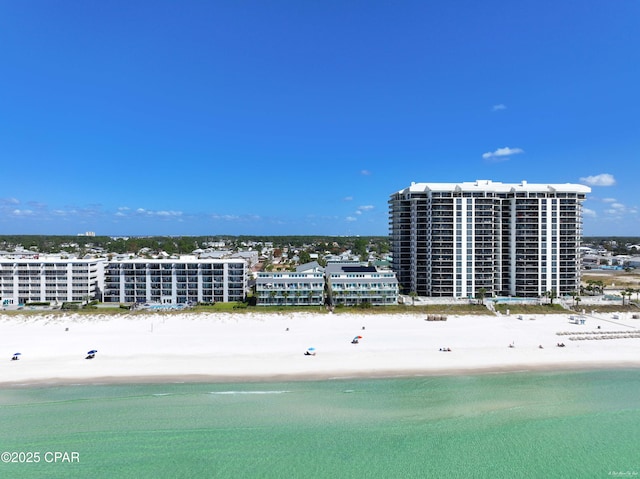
{"x": 38, "y": 279}
{"x": 176, "y": 281}
{"x": 339, "y": 283}
{"x": 350, "y": 284}
{"x": 302, "y": 287}
{"x": 487, "y": 238}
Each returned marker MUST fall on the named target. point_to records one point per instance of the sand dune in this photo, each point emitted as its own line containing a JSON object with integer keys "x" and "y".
{"x": 239, "y": 347}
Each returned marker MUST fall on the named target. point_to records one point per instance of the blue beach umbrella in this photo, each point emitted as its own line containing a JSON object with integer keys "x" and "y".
{"x": 17, "y": 354}
{"x": 93, "y": 351}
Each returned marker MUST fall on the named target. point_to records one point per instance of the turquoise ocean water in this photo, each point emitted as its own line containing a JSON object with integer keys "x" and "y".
{"x": 517, "y": 425}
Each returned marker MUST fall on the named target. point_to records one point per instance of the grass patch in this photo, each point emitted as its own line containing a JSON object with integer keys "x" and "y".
{"x": 608, "y": 308}
{"x": 447, "y": 309}
{"x": 621, "y": 279}
{"x": 530, "y": 309}
{"x": 242, "y": 308}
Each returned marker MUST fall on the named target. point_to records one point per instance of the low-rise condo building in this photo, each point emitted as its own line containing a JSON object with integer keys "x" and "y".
{"x": 351, "y": 284}
{"x": 302, "y": 287}
{"x": 176, "y": 281}
{"x": 53, "y": 280}
{"x": 347, "y": 284}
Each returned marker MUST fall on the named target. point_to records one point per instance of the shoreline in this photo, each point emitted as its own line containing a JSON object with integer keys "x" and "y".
{"x": 218, "y": 348}
{"x": 203, "y": 379}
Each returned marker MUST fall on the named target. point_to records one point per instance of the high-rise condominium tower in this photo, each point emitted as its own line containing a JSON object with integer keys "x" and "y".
{"x": 485, "y": 237}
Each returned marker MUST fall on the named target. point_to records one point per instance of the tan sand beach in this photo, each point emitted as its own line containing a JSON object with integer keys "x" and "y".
{"x": 158, "y": 347}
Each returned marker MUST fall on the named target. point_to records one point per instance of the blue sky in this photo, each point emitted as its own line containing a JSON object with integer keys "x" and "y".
{"x": 302, "y": 117}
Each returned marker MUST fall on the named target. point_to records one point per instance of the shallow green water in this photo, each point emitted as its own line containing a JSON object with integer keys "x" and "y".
{"x": 574, "y": 425}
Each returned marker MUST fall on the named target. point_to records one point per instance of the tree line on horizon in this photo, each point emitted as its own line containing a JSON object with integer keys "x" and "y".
{"x": 188, "y": 244}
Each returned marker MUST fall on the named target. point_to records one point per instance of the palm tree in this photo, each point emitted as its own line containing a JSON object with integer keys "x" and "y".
{"x": 627, "y": 292}
{"x": 413, "y": 295}
{"x": 576, "y": 298}
{"x": 551, "y": 295}
{"x": 480, "y": 294}
{"x": 597, "y": 287}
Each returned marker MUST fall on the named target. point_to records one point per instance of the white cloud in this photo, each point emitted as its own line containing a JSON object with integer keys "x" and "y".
{"x": 364, "y": 208}
{"x": 589, "y": 213}
{"x": 604, "y": 179}
{"x": 160, "y": 214}
{"x": 348, "y": 198}
{"x": 365, "y": 173}
{"x": 499, "y": 107}
{"x": 225, "y": 217}
{"x": 10, "y": 201}
{"x": 502, "y": 153}
{"x": 37, "y": 204}
{"x": 241, "y": 218}
{"x": 351, "y": 219}
{"x": 168, "y": 213}
{"x": 22, "y": 212}
{"x": 609, "y": 200}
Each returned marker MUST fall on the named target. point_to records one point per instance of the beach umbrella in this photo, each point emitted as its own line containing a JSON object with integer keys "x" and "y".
{"x": 311, "y": 349}
{"x": 93, "y": 351}
{"x": 17, "y": 354}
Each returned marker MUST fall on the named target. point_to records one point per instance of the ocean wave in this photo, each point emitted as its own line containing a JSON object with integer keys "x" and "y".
{"x": 247, "y": 392}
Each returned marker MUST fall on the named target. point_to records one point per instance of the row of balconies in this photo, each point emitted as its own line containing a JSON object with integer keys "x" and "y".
{"x": 127, "y": 267}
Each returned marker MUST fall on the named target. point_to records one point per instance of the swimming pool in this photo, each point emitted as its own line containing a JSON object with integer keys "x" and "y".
{"x": 512, "y": 300}
{"x": 164, "y": 307}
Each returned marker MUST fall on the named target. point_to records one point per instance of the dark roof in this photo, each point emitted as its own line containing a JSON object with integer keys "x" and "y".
{"x": 359, "y": 269}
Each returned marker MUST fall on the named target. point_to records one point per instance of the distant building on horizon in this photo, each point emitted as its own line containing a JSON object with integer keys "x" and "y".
{"x": 484, "y": 237}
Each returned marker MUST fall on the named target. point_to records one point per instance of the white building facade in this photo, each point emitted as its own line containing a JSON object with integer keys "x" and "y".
{"x": 351, "y": 284}
{"x": 462, "y": 239}
{"x": 303, "y": 287}
{"x": 52, "y": 280}
{"x": 178, "y": 281}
